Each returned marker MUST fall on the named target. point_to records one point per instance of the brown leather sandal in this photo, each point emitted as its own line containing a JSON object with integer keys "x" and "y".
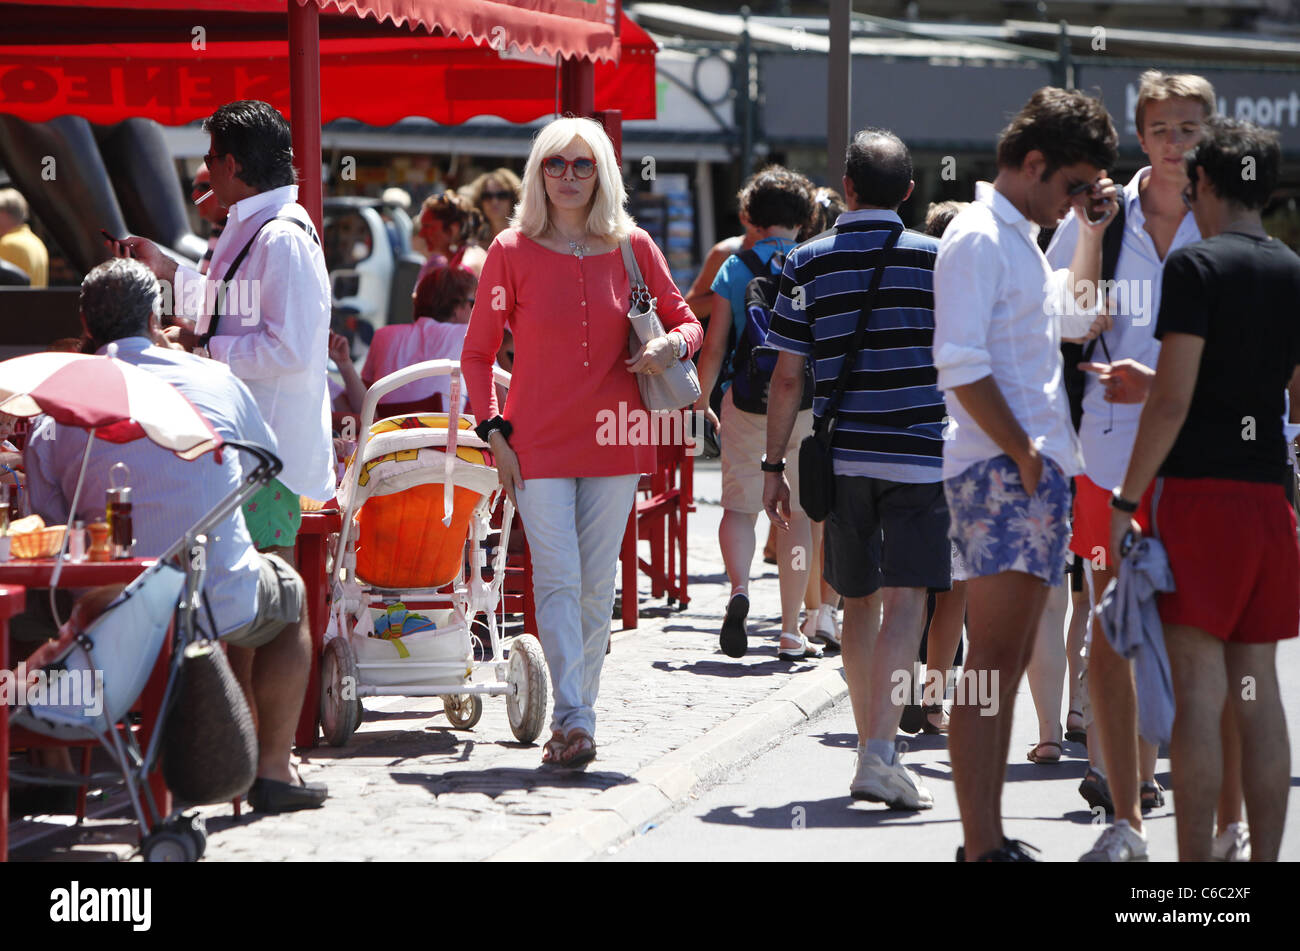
{"x": 579, "y": 750}
{"x": 1037, "y": 756}
{"x": 553, "y": 750}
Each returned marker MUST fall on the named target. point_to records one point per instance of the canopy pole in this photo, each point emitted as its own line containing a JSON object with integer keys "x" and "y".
{"x": 304, "y": 102}
{"x": 578, "y": 87}
{"x": 838, "y": 91}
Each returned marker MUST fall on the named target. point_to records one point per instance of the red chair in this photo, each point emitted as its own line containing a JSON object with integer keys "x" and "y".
{"x": 665, "y": 499}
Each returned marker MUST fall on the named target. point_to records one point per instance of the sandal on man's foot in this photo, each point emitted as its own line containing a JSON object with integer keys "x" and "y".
{"x": 579, "y": 749}
{"x": 1152, "y": 796}
{"x": 1075, "y": 732}
{"x": 1047, "y": 752}
{"x": 553, "y": 750}
{"x": 1096, "y": 791}
{"x": 802, "y": 650}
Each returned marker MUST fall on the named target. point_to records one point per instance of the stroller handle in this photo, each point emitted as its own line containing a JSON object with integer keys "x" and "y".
{"x": 268, "y": 463}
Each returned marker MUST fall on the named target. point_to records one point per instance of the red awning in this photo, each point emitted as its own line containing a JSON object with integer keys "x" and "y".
{"x": 378, "y": 79}
{"x": 570, "y": 28}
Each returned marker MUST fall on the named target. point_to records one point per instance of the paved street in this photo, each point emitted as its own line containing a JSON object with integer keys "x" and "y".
{"x": 407, "y": 786}
{"x": 792, "y": 803}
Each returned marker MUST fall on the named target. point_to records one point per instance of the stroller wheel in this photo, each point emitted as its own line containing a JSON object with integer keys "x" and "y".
{"x": 169, "y": 844}
{"x": 526, "y": 674}
{"x": 463, "y": 710}
{"x": 338, "y": 696}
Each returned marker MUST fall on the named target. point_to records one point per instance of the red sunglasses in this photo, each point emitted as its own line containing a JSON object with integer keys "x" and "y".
{"x": 556, "y": 166}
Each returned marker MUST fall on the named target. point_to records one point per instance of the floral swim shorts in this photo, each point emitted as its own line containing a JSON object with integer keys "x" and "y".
{"x": 997, "y": 527}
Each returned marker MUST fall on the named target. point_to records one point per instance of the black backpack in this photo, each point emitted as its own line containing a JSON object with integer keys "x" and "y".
{"x": 753, "y": 360}
{"x": 1074, "y": 353}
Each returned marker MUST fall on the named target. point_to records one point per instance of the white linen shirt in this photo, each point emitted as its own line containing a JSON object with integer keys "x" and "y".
{"x": 275, "y": 334}
{"x": 1138, "y": 274}
{"x": 997, "y": 307}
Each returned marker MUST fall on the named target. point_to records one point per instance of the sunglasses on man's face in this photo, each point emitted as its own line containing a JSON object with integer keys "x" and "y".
{"x": 557, "y": 165}
{"x": 499, "y": 196}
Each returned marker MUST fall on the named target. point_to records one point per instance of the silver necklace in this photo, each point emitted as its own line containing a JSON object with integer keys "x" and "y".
{"x": 578, "y": 248}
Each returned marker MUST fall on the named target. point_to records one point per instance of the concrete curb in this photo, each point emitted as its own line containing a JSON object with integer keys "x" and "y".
{"x": 620, "y": 812}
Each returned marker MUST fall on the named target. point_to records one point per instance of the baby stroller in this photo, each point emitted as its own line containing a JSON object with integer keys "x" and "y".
{"x": 409, "y": 591}
{"x": 123, "y": 644}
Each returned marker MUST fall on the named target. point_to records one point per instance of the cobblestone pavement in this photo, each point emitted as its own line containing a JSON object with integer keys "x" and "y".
{"x": 407, "y": 786}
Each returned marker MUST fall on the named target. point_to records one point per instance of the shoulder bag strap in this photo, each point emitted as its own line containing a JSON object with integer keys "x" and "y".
{"x": 823, "y": 421}
{"x": 640, "y": 295}
{"x": 239, "y": 259}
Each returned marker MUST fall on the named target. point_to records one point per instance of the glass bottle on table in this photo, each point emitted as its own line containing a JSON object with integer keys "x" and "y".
{"x": 118, "y": 509}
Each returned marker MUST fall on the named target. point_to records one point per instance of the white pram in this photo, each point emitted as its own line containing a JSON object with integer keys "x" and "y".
{"x": 417, "y": 500}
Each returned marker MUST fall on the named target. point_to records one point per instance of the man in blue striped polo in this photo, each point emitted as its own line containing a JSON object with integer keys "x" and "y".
{"x": 888, "y": 529}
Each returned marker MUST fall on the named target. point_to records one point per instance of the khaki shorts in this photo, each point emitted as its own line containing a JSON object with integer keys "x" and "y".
{"x": 281, "y": 599}
{"x": 744, "y": 440}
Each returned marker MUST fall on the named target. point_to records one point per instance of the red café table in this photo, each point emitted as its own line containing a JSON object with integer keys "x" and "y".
{"x": 312, "y": 551}
{"x": 17, "y": 576}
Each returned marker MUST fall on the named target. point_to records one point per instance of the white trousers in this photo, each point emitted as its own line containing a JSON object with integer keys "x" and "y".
{"x": 575, "y": 529}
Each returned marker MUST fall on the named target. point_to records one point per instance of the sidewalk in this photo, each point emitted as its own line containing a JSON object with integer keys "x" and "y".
{"x": 407, "y": 786}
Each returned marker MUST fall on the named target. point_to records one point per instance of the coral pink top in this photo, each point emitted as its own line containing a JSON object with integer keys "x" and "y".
{"x": 569, "y": 320}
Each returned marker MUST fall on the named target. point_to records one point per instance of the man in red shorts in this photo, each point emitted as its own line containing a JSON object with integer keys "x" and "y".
{"x": 1211, "y": 431}
{"x": 1169, "y": 113}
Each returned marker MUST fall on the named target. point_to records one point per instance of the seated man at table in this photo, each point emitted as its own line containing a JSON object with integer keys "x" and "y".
{"x": 258, "y": 600}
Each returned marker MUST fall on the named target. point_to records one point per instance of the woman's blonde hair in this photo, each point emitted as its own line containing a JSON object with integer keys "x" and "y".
{"x": 608, "y": 218}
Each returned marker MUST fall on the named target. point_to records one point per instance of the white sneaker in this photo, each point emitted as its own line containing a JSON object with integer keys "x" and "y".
{"x": 896, "y": 785}
{"x": 1119, "y": 843}
{"x": 1232, "y": 844}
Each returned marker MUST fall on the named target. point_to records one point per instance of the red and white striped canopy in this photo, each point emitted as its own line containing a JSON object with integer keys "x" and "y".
{"x": 120, "y": 402}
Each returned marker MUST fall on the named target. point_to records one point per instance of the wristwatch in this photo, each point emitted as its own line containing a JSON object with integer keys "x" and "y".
{"x": 683, "y": 348}
{"x": 1121, "y": 504}
{"x": 772, "y": 466}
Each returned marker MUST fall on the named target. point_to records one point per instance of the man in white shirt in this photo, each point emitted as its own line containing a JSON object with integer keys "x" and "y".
{"x": 1000, "y": 312}
{"x": 1170, "y": 111}
{"x": 272, "y": 322}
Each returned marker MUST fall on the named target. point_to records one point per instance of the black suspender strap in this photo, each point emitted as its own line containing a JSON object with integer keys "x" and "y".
{"x": 234, "y": 266}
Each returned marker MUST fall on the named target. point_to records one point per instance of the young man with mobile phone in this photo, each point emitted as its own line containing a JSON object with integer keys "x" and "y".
{"x": 1000, "y": 314}
{"x": 1170, "y": 114}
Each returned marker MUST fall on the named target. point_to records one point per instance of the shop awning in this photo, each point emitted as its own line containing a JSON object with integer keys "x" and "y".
{"x": 376, "y": 74}
{"x": 586, "y": 29}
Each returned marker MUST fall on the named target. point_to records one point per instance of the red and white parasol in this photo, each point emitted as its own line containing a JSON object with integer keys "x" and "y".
{"x": 116, "y": 401}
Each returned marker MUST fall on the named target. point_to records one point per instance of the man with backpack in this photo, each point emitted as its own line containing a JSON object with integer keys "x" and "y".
{"x": 863, "y": 292}
{"x": 777, "y": 202}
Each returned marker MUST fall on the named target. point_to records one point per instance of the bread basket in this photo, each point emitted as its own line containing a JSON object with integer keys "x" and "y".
{"x": 42, "y": 543}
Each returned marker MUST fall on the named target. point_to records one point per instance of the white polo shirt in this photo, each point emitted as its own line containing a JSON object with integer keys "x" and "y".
{"x": 998, "y": 310}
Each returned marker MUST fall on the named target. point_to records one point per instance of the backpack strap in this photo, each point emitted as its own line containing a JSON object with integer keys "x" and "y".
{"x": 239, "y": 259}
{"x": 749, "y": 257}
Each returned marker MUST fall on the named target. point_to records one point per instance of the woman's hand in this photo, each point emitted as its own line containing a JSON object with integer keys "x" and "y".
{"x": 654, "y": 357}
{"x": 507, "y": 465}
{"x": 339, "y": 348}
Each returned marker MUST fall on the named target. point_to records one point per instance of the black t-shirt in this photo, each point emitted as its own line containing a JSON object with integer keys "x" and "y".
{"x": 1242, "y": 295}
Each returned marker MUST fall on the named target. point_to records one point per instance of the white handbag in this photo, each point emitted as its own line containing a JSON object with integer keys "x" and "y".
{"x": 679, "y": 385}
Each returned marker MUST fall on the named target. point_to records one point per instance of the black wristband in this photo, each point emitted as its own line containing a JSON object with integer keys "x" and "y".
{"x": 772, "y": 466}
{"x": 496, "y": 423}
{"x": 1121, "y": 504}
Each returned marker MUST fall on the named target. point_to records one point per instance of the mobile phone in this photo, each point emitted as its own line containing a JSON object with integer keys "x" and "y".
{"x": 109, "y": 237}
